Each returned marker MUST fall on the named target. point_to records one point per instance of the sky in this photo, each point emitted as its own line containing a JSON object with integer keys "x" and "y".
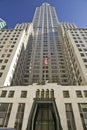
{"x": 19, "y": 11}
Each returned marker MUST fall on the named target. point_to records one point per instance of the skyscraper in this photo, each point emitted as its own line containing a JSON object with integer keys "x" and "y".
{"x": 43, "y": 74}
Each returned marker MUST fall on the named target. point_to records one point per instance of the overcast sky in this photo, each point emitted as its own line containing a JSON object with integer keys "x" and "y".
{"x": 19, "y": 11}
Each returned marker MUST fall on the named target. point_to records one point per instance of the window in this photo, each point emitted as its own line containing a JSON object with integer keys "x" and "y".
{"x": 3, "y": 94}
{"x": 1, "y": 46}
{"x": 85, "y": 93}
{"x": 3, "y": 55}
{"x": 19, "y": 116}
{"x": 23, "y": 94}
{"x": 82, "y": 54}
{"x": 6, "y": 60}
{"x": 85, "y": 60}
{"x": 80, "y": 41}
{"x": 8, "y": 55}
{"x": 80, "y": 79}
{"x": 83, "y": 114}
{"x": 5, "y": 39}
{"x": 44, "y": 118}
{"x": 86, "y": 66}
{"x": 66, "y": 94}
{"x": 70, "y": 117}
{"x": 12, "y": 46}
{"x": 85, "y": 49}
{"x": 14, "y": 42}
{"x": 15, "y": 38}
{"x": 3, "y": 67}
{"x": 79, "y": 49}
{"x": 52, "y": 93}
{"x": 77, "y": 45}
{"x": 79, "y": 94}
{"x": 10, "y": 50}
{"x": 5, "y": 110}
{"x": 1, "y": 74}
{"x": 82, "y": 45}
{"x": 1, "y": 60}
{"x": 11, "y": 94}
{"x": 76, "y": 41}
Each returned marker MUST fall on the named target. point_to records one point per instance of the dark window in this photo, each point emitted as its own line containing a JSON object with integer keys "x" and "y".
{"x": 3, "y": 94}
{"x": 83, "y": 114}
{"x": 82, "y": 54}
{"x": 79, "y": 49}
{"x": 85, "y": 60}
{"x": 3, "y": 67}
{"x": 66, "y": 94}
{"x": 1, "y": 60}
{"x": 6, "y": 60}
{"x": 11, "y": 94}
{"x": 8, "y": 55}
{"x": 79, "y": 94}
{"x": 23, "y": 94}
{"x": 70, "y": 117}
{"x": 19, "y": 116}
{"x": 5, "y": 110}
{"x": 1, "y": 74}
{"x": 85, "y": 93}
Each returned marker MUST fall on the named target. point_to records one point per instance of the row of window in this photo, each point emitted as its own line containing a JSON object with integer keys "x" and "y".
{"x": 7, "y": 39}
{"x": 9, "y": 35}
{"x": 11, "y": 94}
{"x": 24, "y": 94}
{"x": 5, "y": 111}
{"x": 70, "y": 115}
{"x": 4, "y": 42}
{"x": 75, "y": 31}
{"x": 5, "y": 61}
{"x": 7, "y": 32}
{"x": 78, "y": 94}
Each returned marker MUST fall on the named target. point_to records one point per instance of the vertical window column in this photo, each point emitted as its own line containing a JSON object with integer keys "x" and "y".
{"x": 70, "y": 117}
{"x": 19, "y": 116}
{"x": 83, "y": 114}
{"x": 5, "y": 110}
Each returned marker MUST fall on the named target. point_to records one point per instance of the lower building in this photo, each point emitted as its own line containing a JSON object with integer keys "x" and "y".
{"x": 44, "y": 107}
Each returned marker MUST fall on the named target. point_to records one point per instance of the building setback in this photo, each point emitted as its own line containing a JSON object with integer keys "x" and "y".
{"x": 43, "y": 74}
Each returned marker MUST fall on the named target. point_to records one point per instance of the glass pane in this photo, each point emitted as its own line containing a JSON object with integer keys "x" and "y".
{"x": 44, "y": 118}
{"x": 83, "y": 114}
{"x": 70, "y": 117}
{"x": 5, "y": 109}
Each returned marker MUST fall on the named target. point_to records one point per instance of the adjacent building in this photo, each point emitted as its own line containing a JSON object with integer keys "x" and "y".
{"x": 3, "y": 24}
{"x": 43, "y": 74}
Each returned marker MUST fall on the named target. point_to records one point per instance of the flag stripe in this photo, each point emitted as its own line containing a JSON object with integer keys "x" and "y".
{"x": 46, "y": 61}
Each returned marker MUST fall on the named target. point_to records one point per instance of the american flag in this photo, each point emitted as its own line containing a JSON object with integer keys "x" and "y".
{"x": 46, "y": 61}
